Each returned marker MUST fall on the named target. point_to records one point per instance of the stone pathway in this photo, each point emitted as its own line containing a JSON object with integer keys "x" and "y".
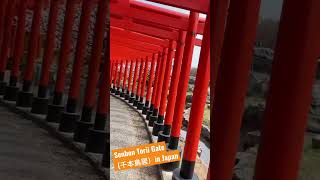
{"x": 128, "y": 129}
{"x": 29, "y": 153}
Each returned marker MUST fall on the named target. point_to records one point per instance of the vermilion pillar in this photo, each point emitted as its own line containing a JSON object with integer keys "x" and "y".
{"x": 69, "y": 122}
{"x": 154, "y": 115}
{"x": 75, "y": 86}
{"x": 119, "y": 77}
{"x": 135, "y": 76}
{"x": 124, "y": 78}
{"x": 155, "y": 86}
{"x": 111, "y": 71}
{"x": 114, "y": 76}
{"x": 140, "y": 78}
{"x": 54, "y": 109}
{"x": 40, "y": 103}
{"x": 12, "y": 89}
{"x": 233, "y": 76}
{"x": 218, "y": 21}
{"x": 13, "y": 38}
{"x": 65, "y": 52}
{"x": 220, "y": 10}
{"x": 158, "y": 125}
{"x": 150, "y": 83}
{"x": 183, "y": 80}
{"x": 290, "y": 94}
{"x": 25, "y": 96}
{"x": 49, "y": 49}
{"x": 98, "y": 136}
{"x": 197, "y": 109}
{"x": 129, "y": 79}
{"x": 165, "y": 134}
{"x": 3, "y": 5}
{"x": 145, "y": 74}
{"x": 7, "y": 35}
{"x": 120, "y": 73}
{"x": 143, "y": 85}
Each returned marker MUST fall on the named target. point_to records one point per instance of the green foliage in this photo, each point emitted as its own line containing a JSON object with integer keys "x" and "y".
{"x": 310, "y": 164}
{"x": 189, "y": 98}
{"x": 206, "y": 117}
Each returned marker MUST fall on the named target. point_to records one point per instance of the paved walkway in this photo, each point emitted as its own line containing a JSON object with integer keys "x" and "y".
{"x": 128, "y": 129}
{"x": 28, "y": 152}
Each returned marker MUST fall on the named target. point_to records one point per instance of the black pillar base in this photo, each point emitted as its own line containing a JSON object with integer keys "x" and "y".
{"x": 2, "y": 87}
{"x": 140, "y": 106}
{"x": 68, "y": 122}
{"x": 117, "y": 92}
{"x": 135, "y": 103}
{"x": 97, "y": 140}
{"x": 40, "y": 105}
{"x": 10, "y": 93}
{"x": 54, "y": 113}
{"x": 152, "y": 120}
{"x": 126, "y": 96}
{"x": 122, "y": 94}
{"x": 106, "y": 155}
{"x": 157, "y": 127}
{"x": 113, "y": 90}
{"x": 149, "y": 113}
{"x": 163, "y": 137}
{"x": 24, "y": 99}
{"x": 81, "y": 131}
{"x": 145, "y": 110}
{"x": 176, "y": 175}
{"x": 171, "y": 166}
{"x": 131, "y": 99}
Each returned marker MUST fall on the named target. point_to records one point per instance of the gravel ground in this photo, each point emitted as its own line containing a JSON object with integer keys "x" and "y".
{"x": 29, "y": 153}
{"x": 127, "y": 129}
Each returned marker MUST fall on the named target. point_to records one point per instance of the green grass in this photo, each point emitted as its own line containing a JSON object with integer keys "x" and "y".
{"x": 310, "y": 169}
{"x": 309, "y": 166}
{"x": 253, "y": 100}
{"x": 206, "y": 117}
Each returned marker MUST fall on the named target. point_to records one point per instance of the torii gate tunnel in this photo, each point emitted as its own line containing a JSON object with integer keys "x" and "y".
{"x": 143, "y": 53}
{"x": 156, "y": 44}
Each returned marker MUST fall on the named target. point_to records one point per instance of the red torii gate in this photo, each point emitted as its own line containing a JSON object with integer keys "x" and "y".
{"x": 120, "y": 50}
{"x": 133, "y": 22}
{"x": 156, "y": 17}
{"x": 137, "y": 36}
{"x": 236, "y": 48}
{"x": 201, "y": 6}
{"x": 68, "y": 120}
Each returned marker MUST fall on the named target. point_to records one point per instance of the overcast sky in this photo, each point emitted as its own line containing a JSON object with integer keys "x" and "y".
{"x": 269, "y": 9}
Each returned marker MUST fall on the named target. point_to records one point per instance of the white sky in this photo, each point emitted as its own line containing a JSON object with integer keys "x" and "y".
{"x": 196, "y": 52}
